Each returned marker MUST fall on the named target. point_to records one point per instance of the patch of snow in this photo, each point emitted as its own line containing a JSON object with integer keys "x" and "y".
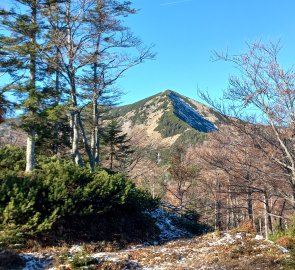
{"x": 75, "y": 249}
{"x": 239, "y": 236}
{"x": 258, "y": 237}
{"x": 227, "y": 239}
{"x": 190, "y": 115}
{"x": 282, "y": 249}
{"x": 36, "y": 261}
{"x": 168, "y": 231}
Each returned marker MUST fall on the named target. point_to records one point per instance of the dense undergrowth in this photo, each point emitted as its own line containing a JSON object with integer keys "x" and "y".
{"x": 62, "y": 202}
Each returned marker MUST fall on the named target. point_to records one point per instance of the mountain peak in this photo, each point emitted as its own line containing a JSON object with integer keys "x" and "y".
{"x": 167, "y": 116}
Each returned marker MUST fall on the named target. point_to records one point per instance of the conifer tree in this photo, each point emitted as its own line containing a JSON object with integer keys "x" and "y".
{"x": 118, "y": 144}
{"x": 19, "y": 48}
{"x": 90, "y": 37}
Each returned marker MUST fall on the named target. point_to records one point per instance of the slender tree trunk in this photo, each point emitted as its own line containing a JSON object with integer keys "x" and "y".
{"x": 229, "y": 209}
{"x": 75, "y": 143}
{"x": 76, "y": 157}
{"x": 293, "y": 193}
{"x": 86, "y": 144}
{"x": 95, "y": 136}
{"x": 281, "y": 226}
{"x": 57, "y": 101}
{"x": 217, "y": 206}
{"x": 31, "y": 139}
{"x": 30, "y": 152}
{"x": 250, "y": 204}
{"x": 267, "y": 217}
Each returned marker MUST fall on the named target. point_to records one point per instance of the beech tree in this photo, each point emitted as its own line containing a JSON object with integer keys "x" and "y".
{"x": 89, "y": 37}
{"x": 265, "y": 86}
{"x": 247, "y": 183}
{"x": 183, "y": 175}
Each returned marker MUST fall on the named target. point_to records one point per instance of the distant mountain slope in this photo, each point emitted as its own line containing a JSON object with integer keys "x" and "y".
{"x": 167, "y": 117}
{"x": 190, "y": 115}
{"x": 160, "y": 120}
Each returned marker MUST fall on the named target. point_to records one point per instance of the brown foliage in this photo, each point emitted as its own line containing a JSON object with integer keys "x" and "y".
{"x": 247, "y": 226}
{"x": 286, "y": 241}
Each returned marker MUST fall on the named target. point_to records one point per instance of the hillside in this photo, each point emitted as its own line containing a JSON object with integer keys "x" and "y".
{"x": 11, "y": 134}
{"x": 167, "y": 118}
{"x": 163, "y": 120}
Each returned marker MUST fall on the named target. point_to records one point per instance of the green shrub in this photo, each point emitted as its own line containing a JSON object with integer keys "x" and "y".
{"x": 60, "y": 199}
{"x": 12, "y": 158}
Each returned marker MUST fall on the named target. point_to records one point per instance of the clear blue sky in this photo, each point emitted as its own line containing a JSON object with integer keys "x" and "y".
{"x": 186, "y": 32}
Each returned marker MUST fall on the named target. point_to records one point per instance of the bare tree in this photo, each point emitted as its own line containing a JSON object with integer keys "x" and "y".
{"x": 265, "y": 86}
{"x": 90, "y": 38}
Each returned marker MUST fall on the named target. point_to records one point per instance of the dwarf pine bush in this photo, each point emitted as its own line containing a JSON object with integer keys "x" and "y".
{"x": 60, "y": 199}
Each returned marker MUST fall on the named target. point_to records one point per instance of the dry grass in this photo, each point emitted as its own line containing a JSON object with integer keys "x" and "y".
{"x": 227, "y": 251}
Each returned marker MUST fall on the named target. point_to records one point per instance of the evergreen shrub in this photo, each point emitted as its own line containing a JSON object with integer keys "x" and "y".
{"x": 60, "y": 200}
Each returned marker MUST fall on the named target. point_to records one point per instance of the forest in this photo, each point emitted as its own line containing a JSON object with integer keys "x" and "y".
{"x": 82, "y": 179}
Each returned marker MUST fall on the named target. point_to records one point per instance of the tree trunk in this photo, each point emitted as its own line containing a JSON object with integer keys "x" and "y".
{"x": 217, "y": 206}
{"x": 281, "y": 226}
{"x": 30, "y": 151}
{"x": 95, "y": 139}
{"x": 86, "y": 144}
{"x": 75, "y": 140}
{"x": 250, "y": 204}
{"x": 31, "y": 139}
{"x": 267, "y": 217}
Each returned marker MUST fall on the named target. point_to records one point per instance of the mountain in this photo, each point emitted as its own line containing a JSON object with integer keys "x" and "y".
{"x": 163, "y": 120}
{"x": 167, "y": 118}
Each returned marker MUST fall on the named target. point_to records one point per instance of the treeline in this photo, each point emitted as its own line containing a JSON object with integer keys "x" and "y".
{"x": 62, "y": 60}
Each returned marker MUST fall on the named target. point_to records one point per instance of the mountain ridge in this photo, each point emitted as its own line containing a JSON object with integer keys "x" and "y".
{"x": 166, "y": 117}
{"x": 163, "y": 118}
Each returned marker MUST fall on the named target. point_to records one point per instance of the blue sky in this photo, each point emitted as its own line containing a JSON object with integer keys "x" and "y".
{"x": 185, "y": 34}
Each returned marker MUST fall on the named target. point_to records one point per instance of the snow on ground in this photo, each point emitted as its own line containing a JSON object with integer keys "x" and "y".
{"x": 178, "y": 250}
{"x": 215, "y": 251}
{"x": 225, "y": 251}
{"x": 190, "y": 115}
{"x": 36, "y": 261}
{"x": 168, "y": 231}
